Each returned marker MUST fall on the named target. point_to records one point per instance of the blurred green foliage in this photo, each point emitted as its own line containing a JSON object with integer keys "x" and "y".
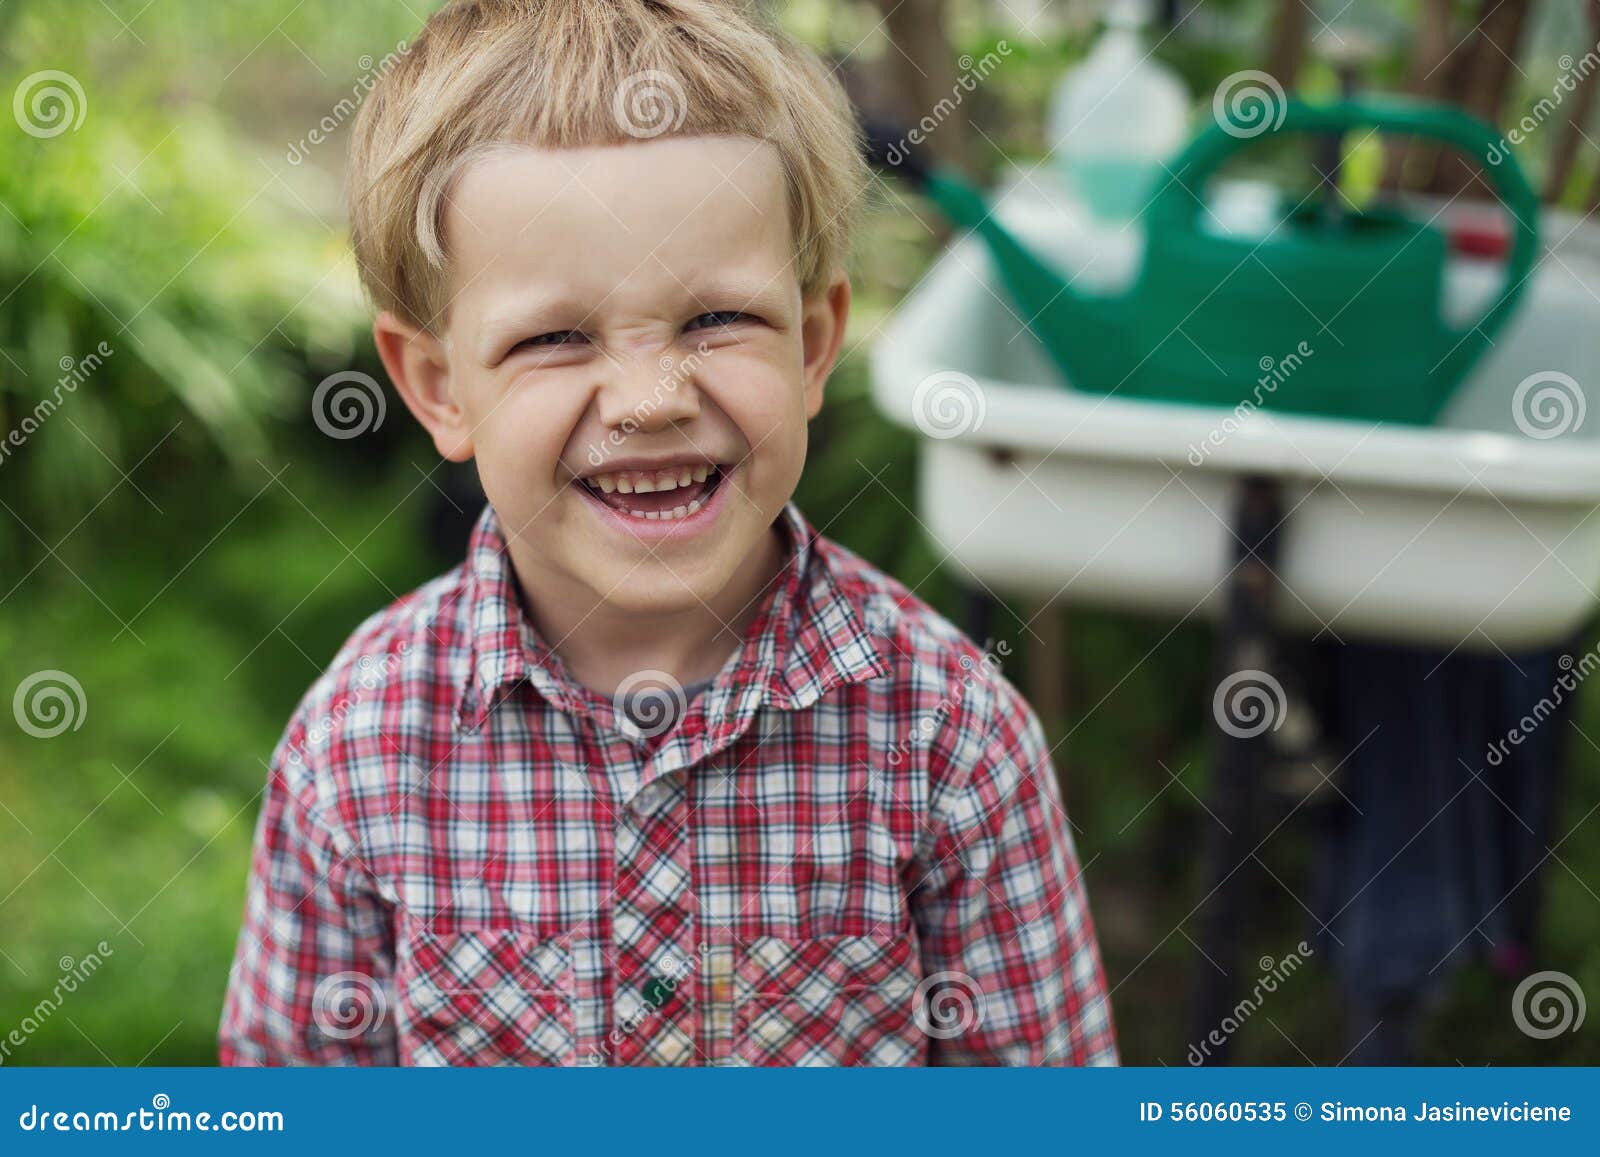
{"x": 184, "y": 543}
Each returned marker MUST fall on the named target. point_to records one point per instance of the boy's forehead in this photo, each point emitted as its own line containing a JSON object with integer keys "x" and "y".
{"x": 673, "y": 208}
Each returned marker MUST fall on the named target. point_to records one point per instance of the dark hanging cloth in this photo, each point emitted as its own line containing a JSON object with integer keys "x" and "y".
{"x": 1435, "y": 852}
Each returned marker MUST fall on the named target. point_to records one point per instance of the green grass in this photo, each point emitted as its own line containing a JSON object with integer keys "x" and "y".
{"x": 135, "y": 828}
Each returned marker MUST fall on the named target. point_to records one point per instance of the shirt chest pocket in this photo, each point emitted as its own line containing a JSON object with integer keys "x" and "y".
{"x": 841, "y": 1000}
{"x": 489, "y": 997}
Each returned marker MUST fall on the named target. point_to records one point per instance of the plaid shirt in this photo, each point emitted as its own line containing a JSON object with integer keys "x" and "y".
{"x": 850, "y": 849}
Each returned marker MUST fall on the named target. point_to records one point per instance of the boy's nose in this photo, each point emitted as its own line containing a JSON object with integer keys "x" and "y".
{"x": 646, "y": 393}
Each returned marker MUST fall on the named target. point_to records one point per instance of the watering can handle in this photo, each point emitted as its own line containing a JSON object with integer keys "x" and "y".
{"x": 1175, "y": 206}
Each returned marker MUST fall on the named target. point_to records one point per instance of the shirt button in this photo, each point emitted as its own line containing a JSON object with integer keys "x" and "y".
{"x": 657, "y": 993}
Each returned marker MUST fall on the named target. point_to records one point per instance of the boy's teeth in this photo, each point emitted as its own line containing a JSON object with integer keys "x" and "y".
{"x": 672, "y": 515}
{"x": 649, "y": 481}
{"x": 655, "y": 482}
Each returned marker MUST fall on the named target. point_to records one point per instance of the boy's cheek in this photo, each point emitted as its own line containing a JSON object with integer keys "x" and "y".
{"x": 529, "y": 428}
{"x": 758, "y": 392}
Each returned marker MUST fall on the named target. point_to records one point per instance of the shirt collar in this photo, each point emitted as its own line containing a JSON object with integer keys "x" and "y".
{"x": 807, "y": 639}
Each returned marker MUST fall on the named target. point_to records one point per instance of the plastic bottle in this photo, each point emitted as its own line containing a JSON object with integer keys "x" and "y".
{"x": 1116, "y": 117}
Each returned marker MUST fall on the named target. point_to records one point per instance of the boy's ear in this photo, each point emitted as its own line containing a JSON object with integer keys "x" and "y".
{"x": 419, "y": 367}
{"x": 823, "y": 318}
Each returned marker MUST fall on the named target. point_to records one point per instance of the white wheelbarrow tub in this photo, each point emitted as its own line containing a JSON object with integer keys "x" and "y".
{"x": 1471, "y": 534}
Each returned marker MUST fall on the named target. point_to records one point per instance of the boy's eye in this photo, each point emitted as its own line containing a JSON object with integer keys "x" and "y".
{"x": 721, "y": 317}
{"x": 554, "y": 338}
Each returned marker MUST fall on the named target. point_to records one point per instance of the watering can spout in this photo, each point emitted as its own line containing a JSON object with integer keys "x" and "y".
{"x": 1064, "y": 320}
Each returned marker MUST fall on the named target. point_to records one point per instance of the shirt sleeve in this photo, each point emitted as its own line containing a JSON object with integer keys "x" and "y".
{"x": 1011, "y": 969}
{"x": 312, "y": 977}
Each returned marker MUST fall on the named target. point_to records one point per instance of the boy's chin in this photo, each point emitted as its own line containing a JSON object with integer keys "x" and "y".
{"x": 656, "y": 589}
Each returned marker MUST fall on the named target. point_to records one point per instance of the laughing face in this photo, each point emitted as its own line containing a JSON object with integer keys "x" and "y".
{"x": 628, "y": 356}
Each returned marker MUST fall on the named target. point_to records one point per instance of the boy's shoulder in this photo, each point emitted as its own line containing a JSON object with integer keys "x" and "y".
{"x": 391, "y": 673}
{"x": 954, "y": 692}
{"x": 891, "y": 610}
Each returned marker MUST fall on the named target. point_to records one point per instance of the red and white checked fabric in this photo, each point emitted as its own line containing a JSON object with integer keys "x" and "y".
{"x": 850, "y": 849}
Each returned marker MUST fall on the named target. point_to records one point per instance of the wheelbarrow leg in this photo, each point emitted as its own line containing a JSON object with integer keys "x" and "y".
{"x": 1242, "y": 753}
{"x": 981, "y": 607}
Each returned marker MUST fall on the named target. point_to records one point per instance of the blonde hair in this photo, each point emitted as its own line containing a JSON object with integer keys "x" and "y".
{"x": 575, "y": 73}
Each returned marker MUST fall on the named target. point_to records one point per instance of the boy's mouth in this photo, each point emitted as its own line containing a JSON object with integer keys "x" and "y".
{"x": 663, "y": 494}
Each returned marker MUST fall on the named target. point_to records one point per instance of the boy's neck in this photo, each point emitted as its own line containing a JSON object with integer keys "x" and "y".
{"x": 602, "y": 645}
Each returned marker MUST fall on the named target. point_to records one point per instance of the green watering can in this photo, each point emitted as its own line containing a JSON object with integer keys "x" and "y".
{"x": 1362, "y": 290}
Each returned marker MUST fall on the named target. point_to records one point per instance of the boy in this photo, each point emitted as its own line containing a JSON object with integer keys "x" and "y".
{"x": 658, "y": 775}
